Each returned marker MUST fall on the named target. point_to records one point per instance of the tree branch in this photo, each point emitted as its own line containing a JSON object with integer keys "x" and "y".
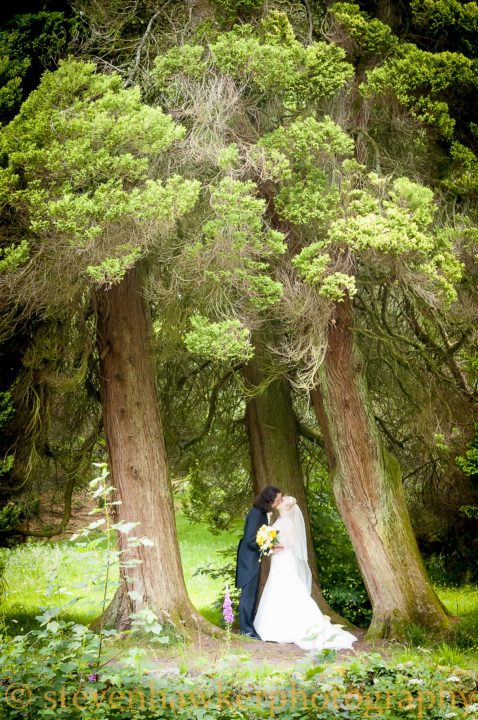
{"x": 310, "y": 21}
{"x": 307, "y": 432}
{"x": 446, "y": 354}
{"x": 185, "y": 444}
{"x": 381, "y": 423}
{"x": 137, "y": 62}
{"x": 181, "y": 381}
{"x": 72, "y": 475}
{"x": 57, "y": 529}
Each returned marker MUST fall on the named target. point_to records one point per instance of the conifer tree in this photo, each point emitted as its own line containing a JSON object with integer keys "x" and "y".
{"x": 85, "y": 204}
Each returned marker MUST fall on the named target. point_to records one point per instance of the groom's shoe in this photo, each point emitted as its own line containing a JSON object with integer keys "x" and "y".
{"x": 252, "y": 635}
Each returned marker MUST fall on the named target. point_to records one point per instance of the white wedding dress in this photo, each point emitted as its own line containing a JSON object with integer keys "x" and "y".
{"x": 286, "y": 612}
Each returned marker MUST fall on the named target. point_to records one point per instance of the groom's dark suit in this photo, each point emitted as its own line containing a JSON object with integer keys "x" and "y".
{"x": 247, "y": 569}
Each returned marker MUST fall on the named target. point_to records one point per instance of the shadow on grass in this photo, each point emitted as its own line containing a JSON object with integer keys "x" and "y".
{"x": 18, "y": 620}
{"x": 213, "y": 614}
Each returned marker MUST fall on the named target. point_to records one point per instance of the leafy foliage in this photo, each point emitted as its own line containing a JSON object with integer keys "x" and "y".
{"x": 6, "y": 462}
{"x": 369, "y": 34}
{"x": 353, "y": 689}
{"x": 356, "y": 212}
{"x": 448, "y": 21}
{"x": 424, "y": 69}
{"x": 29, "y": 44}
{"x": 462, "y": 178}
{"x": 218, "y": 341}
{"x": 79, "y": 157}
{"x": 11, "y": 75}
{"x": 234, "y": 9}
{"x": 423, "y": 81}
{"x": 228, "y": 267}
{"x": 43, "y": 35}
{"x": 468, "y": 463}
{"x": 277, "y": 63}
{"x": 6, "y": 409}
{"x": 271, "y": 61}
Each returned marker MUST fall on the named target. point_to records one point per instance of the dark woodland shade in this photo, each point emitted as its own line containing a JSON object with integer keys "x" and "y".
{"x": 266, "y": 497}
{"x": 21, "y": 7}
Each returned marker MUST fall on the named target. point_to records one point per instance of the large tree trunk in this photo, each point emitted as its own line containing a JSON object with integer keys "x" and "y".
{"x": 137, "y": 459}
{"x": 274, "y": 452}
{"x": 368, "y": 489}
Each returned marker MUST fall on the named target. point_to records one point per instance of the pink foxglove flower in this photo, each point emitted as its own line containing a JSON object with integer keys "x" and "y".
{"x": 227, "y": 612}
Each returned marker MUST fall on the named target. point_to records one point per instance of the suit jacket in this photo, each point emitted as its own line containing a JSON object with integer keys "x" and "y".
{"x": 248, "y": 566}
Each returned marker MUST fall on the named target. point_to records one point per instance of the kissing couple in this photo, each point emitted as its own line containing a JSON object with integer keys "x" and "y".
{"x": 286, "y": 612}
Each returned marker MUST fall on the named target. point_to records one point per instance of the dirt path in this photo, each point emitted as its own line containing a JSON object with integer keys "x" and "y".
{"x": 205, "y": 654}
{"x": 204, "y": 650}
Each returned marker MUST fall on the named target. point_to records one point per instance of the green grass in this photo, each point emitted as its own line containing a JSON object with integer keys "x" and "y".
{"x": 199, "y": 546}
{"x": 460, "y": 647}
{"x": 461, "y": 601}
{"x": 78, "y": 589}
{"x": 30, "y": 586}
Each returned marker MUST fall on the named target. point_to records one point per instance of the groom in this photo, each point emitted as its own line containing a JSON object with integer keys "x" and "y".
{"x": 247, "y": 569}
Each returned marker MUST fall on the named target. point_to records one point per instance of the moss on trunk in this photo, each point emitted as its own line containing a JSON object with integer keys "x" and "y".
{"x": 368, "y": 489}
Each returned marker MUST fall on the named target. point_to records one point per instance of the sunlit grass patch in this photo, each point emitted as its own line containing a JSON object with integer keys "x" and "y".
{"x": 61, "y": 574}
{"x": 460, "y": 647}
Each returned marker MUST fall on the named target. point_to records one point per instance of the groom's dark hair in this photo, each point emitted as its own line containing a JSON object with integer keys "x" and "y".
{"x": 266, "y": 497}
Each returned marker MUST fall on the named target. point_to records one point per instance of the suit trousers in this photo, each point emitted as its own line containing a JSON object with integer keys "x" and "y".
{"x": 247, "y": 604}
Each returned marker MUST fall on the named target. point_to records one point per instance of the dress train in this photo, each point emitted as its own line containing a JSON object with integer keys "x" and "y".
{"x": 287, "y": 613}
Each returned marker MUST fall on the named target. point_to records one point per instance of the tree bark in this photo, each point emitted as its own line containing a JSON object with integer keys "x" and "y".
{"x": 369, "y": 493}
{"x": 137, "y": 460}
{"x": 117, "y": 614}
{"x": 274, "y": 453}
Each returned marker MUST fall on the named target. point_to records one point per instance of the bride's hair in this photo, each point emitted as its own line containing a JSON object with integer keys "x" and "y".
{"x": 289, "y": 502}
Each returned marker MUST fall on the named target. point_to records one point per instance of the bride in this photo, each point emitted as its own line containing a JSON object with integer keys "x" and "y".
{"x": 286, "y": 612}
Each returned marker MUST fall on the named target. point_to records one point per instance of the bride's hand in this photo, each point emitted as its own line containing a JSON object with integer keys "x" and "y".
{"x": 277, "y": 548}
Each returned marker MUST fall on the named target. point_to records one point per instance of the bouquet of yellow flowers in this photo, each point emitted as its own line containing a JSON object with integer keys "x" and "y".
{"x": 266, "y": 538}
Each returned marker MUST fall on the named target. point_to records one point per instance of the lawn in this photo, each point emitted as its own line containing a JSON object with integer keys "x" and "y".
{"x": 57, "y": 573}
{"x": 199, "y": 546}
{"x": 60, "y": 574}
{"x": 41, "y": 574}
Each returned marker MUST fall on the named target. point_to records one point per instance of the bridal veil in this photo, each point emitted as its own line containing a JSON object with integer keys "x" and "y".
{"x": 300, "y": 546}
